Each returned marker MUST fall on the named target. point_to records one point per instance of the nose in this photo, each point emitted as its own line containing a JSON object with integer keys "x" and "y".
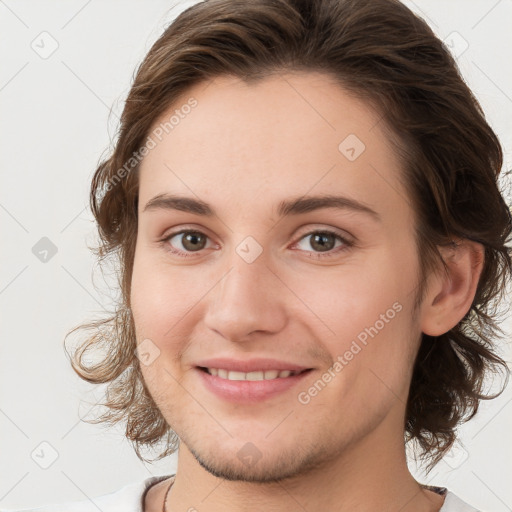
{"x": 249, "y": 298}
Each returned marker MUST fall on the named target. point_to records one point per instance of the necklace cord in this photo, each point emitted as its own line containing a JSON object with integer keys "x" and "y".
{"x": 167, "y": 493}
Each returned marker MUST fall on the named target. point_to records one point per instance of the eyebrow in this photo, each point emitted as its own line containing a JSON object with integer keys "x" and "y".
{"x": 294, "y": 206}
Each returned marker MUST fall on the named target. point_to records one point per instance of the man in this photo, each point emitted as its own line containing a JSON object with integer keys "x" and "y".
{"x": 296, "y": 200}
{"x": 299, "y": 304}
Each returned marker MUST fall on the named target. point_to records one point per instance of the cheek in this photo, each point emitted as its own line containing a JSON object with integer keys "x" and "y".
{"x": 160, "y": 295}
{"x": 349, "y": 299}
{"x": 161, "y": 302}
{"x": 167, "y": 306}
{"x": 368, "y": 312}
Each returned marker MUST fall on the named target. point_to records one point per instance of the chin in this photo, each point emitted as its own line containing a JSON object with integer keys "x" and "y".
{"x": 249, "y": 464}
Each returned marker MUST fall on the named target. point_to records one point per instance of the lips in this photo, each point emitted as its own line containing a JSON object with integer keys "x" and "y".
{"x": 249, "y": 391}
{"x": 245, "y": 381}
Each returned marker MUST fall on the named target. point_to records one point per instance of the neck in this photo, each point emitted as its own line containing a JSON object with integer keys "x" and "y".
{"x": 369, "y": 476}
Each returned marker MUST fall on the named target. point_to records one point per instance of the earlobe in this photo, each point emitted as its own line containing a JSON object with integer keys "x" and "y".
{"x": 451, "y": 293}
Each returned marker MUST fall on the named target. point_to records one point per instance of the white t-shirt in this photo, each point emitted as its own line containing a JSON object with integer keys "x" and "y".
{"x": 130, "y": 498}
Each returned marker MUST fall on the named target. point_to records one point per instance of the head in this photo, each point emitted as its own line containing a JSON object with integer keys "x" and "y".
{"x": 243, "y": 106}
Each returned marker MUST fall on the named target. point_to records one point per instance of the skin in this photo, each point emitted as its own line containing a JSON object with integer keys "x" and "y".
{"x": 243, "y": 149}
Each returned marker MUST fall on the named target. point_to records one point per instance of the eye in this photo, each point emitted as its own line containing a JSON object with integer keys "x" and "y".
{"x": 193, "y": 241}
{"x": 324, "y": 241}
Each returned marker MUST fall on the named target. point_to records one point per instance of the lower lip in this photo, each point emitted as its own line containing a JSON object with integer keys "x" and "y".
{"x": 249, "y": 391}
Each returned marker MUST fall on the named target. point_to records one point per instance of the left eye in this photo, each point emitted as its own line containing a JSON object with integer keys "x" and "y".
{"x": 325, "y": 241}
{"x": 322, "y": 241}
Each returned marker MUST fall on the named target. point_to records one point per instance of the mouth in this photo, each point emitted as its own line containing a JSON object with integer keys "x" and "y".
{"x": 250, "y": 387}
{"x": 256, "y": 375}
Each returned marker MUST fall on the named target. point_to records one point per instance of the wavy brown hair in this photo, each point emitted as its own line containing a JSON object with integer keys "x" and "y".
{"x": 451, "y": 159}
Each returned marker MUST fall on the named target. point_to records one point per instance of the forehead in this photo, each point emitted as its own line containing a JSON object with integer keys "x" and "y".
{"x": 286, "y": 135}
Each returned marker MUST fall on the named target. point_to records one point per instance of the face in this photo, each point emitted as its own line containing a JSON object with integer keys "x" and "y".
{"x": 328, "y": 287}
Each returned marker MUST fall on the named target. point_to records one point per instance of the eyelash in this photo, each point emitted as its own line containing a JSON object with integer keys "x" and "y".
{"x": 319, "y": 255}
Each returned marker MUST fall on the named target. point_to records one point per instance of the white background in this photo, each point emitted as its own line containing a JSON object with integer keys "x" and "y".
{"x": 55, "y": 126}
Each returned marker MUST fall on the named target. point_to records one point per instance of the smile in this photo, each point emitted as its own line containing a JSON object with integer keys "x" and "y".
{"x": 250, "y": 387}
{"x": 255, "y": 375}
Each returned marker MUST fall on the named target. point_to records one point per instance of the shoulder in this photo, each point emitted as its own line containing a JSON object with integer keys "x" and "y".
{"x": 452, "y": 503}
{"x": 129, "y": 498}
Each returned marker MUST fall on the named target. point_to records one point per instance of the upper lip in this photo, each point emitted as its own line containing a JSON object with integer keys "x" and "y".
{"x": 250, "y": 365}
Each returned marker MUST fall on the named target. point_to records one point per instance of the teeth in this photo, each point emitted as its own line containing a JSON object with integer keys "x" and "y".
{"x": 257, "y": 375}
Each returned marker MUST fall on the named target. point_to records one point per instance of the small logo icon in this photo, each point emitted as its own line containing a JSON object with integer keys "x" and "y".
{"x": 44, "y": 250}
{"x": 44, "y": 455}
{"x": 456, "y": 456}
{"x": 147, "y": 352}
{"x": 456, "y": 44}
{"x": 45, "y": 45}
{"x": 249, "y": 454}
{"x": 351, "y": 147}
{"x": 249, "y": 249}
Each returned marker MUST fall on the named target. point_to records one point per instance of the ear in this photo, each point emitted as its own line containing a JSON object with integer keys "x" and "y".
{"x": 450, "y": 294}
